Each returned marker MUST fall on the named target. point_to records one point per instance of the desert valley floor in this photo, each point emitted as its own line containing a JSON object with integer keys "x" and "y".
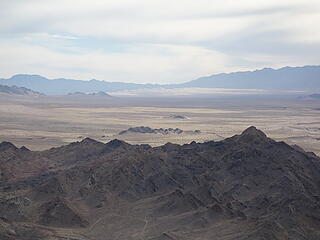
{"x": 40, "y": 123}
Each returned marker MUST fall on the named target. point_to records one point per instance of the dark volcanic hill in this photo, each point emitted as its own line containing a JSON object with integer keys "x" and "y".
{"x": 94, "y": 94}
{"x": 244, "y": 187}
{"x": 163, "y": 131}
{"x": 4, "y": 89}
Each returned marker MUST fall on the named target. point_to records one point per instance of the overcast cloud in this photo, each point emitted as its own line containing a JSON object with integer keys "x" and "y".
{"x": 165, "y": 41}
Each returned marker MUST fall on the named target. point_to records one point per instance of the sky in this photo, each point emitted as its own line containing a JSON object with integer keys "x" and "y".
{"x": 155, "y": 41}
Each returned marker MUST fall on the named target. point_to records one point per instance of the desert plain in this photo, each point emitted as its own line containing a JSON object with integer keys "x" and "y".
{"x": 43, "y": 122}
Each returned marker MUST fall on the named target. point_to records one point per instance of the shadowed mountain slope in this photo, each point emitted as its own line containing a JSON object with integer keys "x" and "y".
{"x": 244, "y": 187}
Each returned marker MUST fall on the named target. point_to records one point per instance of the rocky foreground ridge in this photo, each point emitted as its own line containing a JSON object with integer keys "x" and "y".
{"x": 244, "y": 187}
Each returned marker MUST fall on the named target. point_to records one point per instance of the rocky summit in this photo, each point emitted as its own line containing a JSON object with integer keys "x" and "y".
{"x": 247, "y": 187}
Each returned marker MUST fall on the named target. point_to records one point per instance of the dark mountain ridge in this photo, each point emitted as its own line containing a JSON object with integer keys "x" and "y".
{"x": 14, "y": 90}
{"x": 286, "y": 78}
{"x": 244, "y": 187}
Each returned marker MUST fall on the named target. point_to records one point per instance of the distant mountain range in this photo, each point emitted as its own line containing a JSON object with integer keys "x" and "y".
{"x": 18, "y": 91}
{"x": 62, "y": 86}
{"x": 287, "y": 78}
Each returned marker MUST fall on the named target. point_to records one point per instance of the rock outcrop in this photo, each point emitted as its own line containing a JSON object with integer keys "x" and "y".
{"x": 163, "y": 131}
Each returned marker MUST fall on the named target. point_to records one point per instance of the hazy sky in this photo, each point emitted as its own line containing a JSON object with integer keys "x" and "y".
{"x": 164, "y": 41}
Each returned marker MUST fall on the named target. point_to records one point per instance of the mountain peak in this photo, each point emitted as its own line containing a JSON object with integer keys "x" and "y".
{"x": 252, "y": 133}
{"x": 88, "y": 140}
{"x": 24, "y": 148}
{"x": 116, "y": 143}
{"x": 6, "y": 145}
{"x": 252, "y": 130}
